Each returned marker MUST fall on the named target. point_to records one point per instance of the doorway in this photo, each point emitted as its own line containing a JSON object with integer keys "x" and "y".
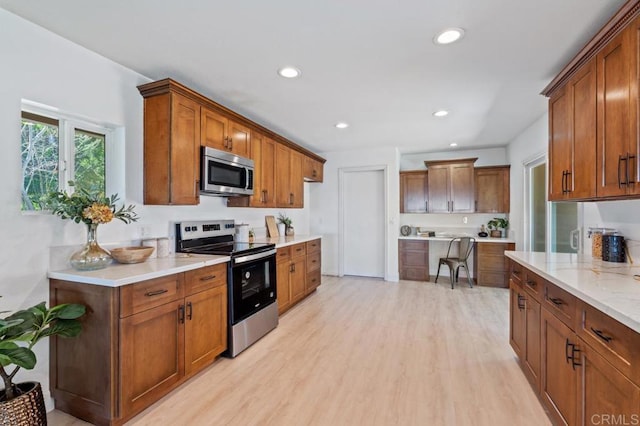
{"x": 362, "y": 221}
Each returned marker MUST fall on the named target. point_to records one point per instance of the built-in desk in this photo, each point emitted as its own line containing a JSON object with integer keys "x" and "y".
{"x": 489, "y": 265}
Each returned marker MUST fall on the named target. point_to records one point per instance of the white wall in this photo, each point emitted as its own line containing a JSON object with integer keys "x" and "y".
{"x": 324, "y": 217}
{"x": 486, "y": 157}
{"x": 531, "y": 143}
{"x": 39, "y": 66}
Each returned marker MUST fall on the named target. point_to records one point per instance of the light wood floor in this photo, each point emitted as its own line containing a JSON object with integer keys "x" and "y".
{"x": 366, "y": 352}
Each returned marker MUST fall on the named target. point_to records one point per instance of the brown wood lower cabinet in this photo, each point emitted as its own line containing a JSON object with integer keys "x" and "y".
{"x": 138, "y": 342}
{"x": 298, "y": 272}
{"x": 589, "y": 364}
{"x": 490, "y": 264}
{"x": 413, "y": 260}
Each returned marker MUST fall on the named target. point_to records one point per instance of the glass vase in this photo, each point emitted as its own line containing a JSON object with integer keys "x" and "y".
{"x": 92, "y": 256}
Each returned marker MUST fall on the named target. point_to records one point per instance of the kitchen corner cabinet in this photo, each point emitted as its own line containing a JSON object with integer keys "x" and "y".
{"x": 313, "y": 170}
{"x": 413, "y": 259}
{"x": 139, "y": 342}
{"x": 171, "y": 149}
{"x": 298, "y": 269}
{"x": 451, "y": 186}
{"x": 414, "y": 191}
{"x": 588, "y": 362}
{"x": 492, "y": 186}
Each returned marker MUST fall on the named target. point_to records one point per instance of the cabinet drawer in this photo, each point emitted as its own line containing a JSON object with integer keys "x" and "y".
{"x": 414, "y": 274}
{"x": 298, "y": 250}
{"x": 283, "y": 254}
{"x": 145, "y": 295}
{"x": 313, "y": 280}
{"x": 414, "y": 245}
{"x": 533, "y": 285}
{"x": 491, "y": 248}
{"x": 492, "y": 279}
{"x": 561, "y": 304}
{"x": 205, "y": 278}
{"x": 314, "y": 246}
{"x": 313, "y": 262}
{"x": 414, "y": 258}
{"x": 616, "y": 342}
{"x": 517, "y": 271}
{"x": 491, "y": 262}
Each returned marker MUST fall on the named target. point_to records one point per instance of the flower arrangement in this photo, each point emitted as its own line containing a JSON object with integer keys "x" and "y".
{"x": 284, "y": 219}
{"x": 82, "y": 206}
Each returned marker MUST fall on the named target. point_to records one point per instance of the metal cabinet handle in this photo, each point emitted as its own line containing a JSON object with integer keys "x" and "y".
{"x": 189, "y": 311}
{"x": 155, "y": 293}
{"x": 568, "y": 189}
{"x": 556, "y": 301}
{"x": 566, "y": 351}
{"x": 574, "y": 351}
{"x": 601, "y": 335}
{"x": 291, "y": 198}
{"x": 231, "y": 143}
{"x": 531, "y": 283}
{"x": 631, "y": 181}
{"x": 620, "y": 160}
{"x": 521, "y": 302}
{"x": 207, "y": 278}
{"x": 181, "y": 314}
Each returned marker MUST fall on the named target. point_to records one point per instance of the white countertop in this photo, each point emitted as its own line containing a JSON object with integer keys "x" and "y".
{"x": 116, "y": 274}
{"x": 607, "y": 286}
{"x": 449, "y": 238}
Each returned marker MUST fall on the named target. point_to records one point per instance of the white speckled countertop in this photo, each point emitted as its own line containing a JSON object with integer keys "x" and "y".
{"x": 116, "y": 274}
{"x": 607, "y": 286}
{"x": 448, "y": 238}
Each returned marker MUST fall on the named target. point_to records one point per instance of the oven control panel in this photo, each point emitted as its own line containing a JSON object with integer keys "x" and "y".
{"x": 204, "y": 229}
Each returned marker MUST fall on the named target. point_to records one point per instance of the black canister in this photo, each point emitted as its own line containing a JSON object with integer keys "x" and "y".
{"x": 613, "y": 248}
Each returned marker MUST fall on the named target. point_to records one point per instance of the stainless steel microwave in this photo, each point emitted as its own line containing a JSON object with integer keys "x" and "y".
{"x": 225, "y": 174}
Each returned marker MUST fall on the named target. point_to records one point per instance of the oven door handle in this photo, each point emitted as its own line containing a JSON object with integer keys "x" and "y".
{"x": 251, "y": 257}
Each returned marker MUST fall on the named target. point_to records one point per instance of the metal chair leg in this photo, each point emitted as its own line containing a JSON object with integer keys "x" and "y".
{"x": 453, "y": 274}
{"x": 468, "y": 275}
{"x": 438, "y": 274}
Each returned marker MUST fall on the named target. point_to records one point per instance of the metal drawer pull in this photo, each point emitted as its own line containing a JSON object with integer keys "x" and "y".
{"x": 207, "y": 278}
{"x": 556, "y": 301}
{"x": 531, "y": 283}
{"x": 155, "y": 293}
{"x": 601, "y": 335}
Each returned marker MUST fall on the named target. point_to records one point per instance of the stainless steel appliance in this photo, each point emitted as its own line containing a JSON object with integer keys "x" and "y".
{"x": 251, "y": 277}
{"x": 223, "y": 173}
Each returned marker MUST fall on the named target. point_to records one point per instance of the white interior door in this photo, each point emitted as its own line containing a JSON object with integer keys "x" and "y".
{"x": 364, "y": 223}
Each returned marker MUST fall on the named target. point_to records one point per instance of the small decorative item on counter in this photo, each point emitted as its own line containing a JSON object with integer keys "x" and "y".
{"x": 496, "y": 224}
{"x": 153, "y": 243}
{"x": 483, "y": 232}
{"x": 286, "y": 221}
{"x": 596, "y": 240}
{"x": 92, "y": 210}
{"x": 163, "y": 247}
{"x": 134, "y": 254}
{"x": 405, "y": 230}
{"x": 252, "y": 235}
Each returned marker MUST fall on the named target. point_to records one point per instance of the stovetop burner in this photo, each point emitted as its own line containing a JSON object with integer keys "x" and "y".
{"x": 214, "y": 237}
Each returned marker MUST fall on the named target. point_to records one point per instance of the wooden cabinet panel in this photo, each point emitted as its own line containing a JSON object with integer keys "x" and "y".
{"x": 148, "y": 294}
{"x": 451, "y": 186}
{"x": 490, "y": 264}
{"x": 605, "y": 391}
{"x": 314, "y": 246}
{"x": 313, "y": 170}
{"x": 313, "y": 261}
{"x": 283, "y": 176}
{"x": 462, "y": 188}
{"x": 267, "y": 173}
{"x": 298, "y": 250}
{"x": 438, "y": 189}
{"x": 283, "y": 287}
{"x": 214, "y": 129}
{"x": 205, "y": 278}
{"x": 534, "y": 285}
{"x": 517, "y": 319}
{"x": 151, "y": 355}
{"x": 559, "y": 377}
{"x": 313, "y": 280}
{"x": 413, "y": 259}
{"x": 492, "y": 185}
{"x": 531, "y": 359}
{"x": 561, "y": 304}
{"x": 239, "y": 139}
{"x": 296, "y": 180}
{"x": 297, "y": 277}
{"x": 205, "y": 335}
{"x": 559, "y": 143}
{"x": 298, "y": 272}
{"x": 413, "y": 191}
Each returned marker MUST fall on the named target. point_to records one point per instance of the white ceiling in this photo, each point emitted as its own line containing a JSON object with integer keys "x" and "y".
{"x": 371, "y": 63}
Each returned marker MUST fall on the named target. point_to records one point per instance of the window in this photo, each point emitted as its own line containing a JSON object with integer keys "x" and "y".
{"x": 57, "y": 149}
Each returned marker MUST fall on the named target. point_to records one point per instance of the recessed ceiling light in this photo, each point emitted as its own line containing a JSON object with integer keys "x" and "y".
{"x": 342, "y": 125}
{"x": 289, "y": 72}
{"x": 441, "y": 113}
{"x": 448, "y": 36}
{"x": 453, "y": 144}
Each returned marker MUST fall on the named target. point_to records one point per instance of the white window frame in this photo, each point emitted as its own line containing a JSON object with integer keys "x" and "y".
{"x": 67, "y": 124}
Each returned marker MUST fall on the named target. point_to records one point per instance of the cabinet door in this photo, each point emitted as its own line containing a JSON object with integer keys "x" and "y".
{"x": 492, "y": 190}
{"x": 559, "y": 143}
{"x": 205, "y": 334}
{"x": 297, "y": 276}
{"x": 517, "y": 319}
{"x": 614, "y": 115}
{"x": 185, "y": 151}
{"x": 438, "y": 195}
{"x": 283, "y": 175}
{"x": 283, "y": 285}
{"x": 145, "y": 376}
{"x": 297, "y": 180}
{"x": 239, "y": 139}
{"x": 605, "y": 391}
{"x": 214, "y": 130}
{"x": 413, "y": 192}
{"x": 313, "y": 170}
{"x": 581, "y": 182}
{"x": 531, "y": 358}
{"x": 559, "y": 387}
{"x": 267, "y": 173}
{"x": 462, "y": 188}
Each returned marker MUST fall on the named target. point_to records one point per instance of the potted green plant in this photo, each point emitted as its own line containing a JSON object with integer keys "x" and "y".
{"x": 23, "y": 403}
{"x": 286, "y": 221}
{"x": 496, "y": 224}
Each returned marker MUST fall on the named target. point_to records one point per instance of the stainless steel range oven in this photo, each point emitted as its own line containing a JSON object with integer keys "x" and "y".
{"x": 251, "y": 278}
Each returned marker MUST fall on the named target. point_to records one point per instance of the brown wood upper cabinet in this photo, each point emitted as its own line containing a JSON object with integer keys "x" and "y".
{"x": 593, "y": 116}
{"x": 492, "y": 189}
{"x": 220, "y": 132}
{"x": 178, "y": 121}
{"x": 289, "y": 180}
{"x": 451, "y": 186}
{"x": 414, "y": 191}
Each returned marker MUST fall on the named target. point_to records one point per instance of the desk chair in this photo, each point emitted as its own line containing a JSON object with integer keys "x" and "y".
{"x": 465, "y": 245}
